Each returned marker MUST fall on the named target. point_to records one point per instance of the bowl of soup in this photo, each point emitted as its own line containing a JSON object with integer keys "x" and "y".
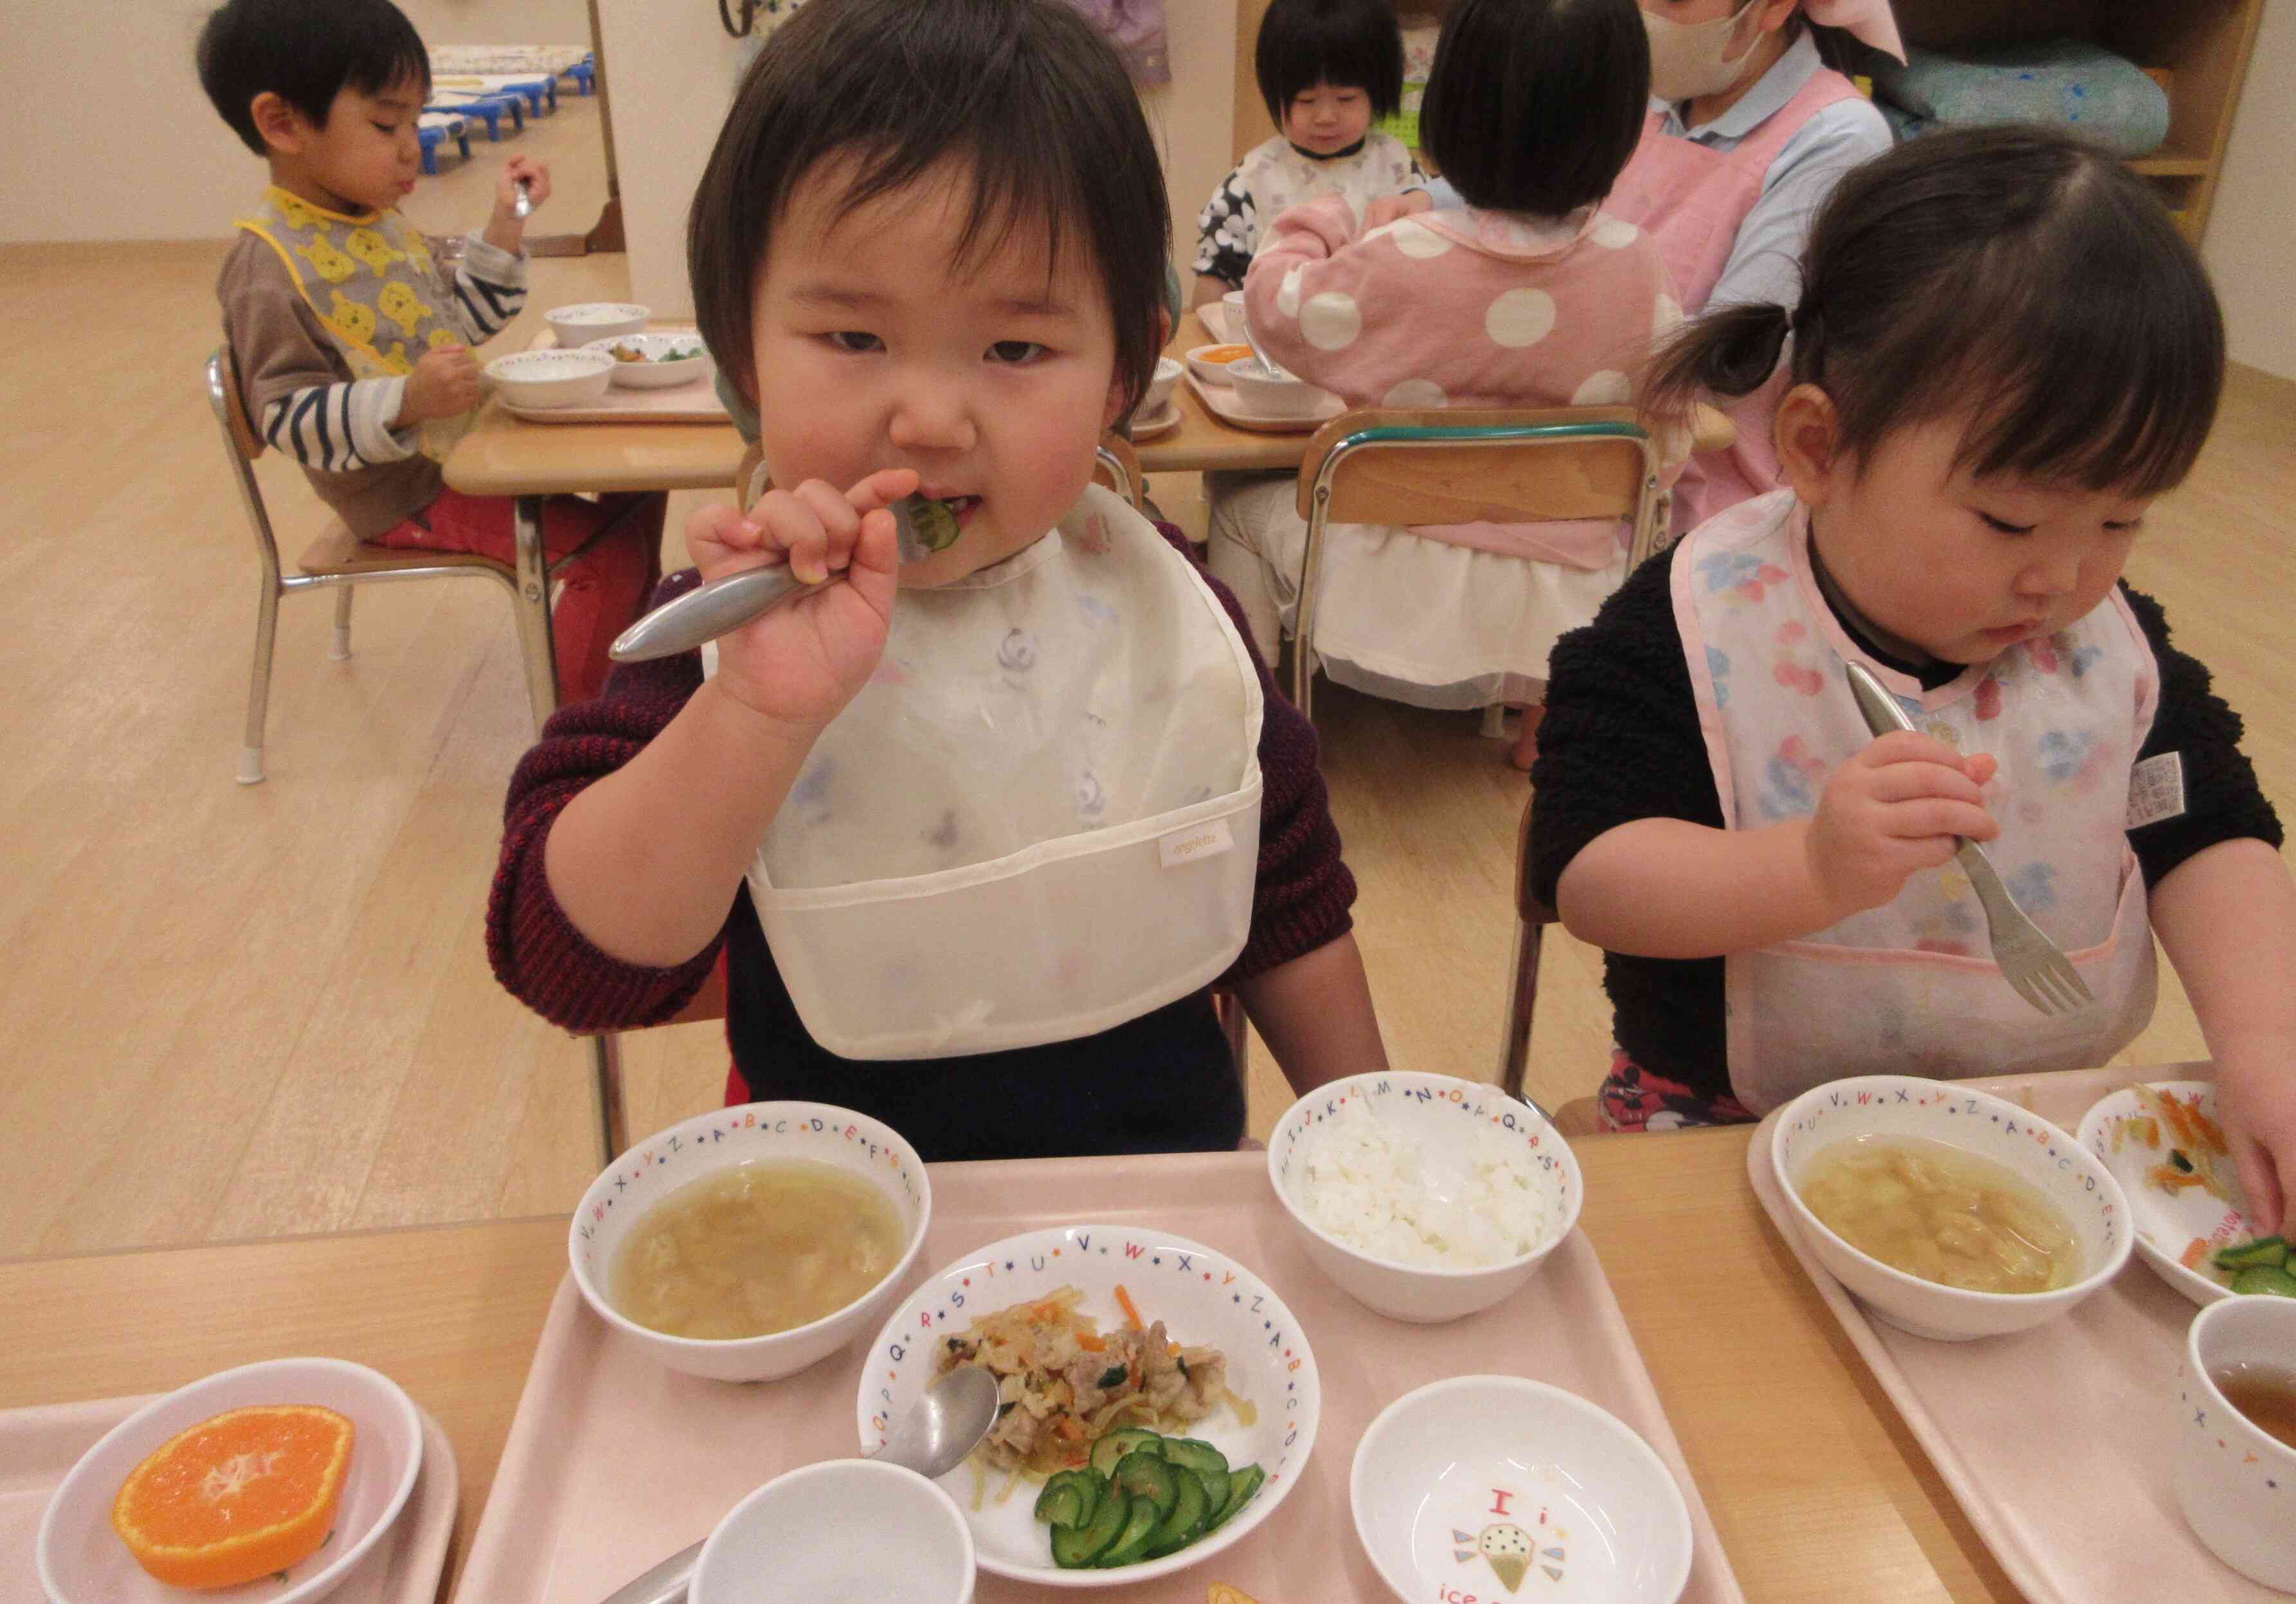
{"x": 1948, "y": 1212}
{"x": 749, "y": 1243}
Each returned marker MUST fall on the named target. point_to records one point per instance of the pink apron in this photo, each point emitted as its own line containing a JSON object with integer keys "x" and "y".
{"x": 1910, "y": 987}
{"x": 1692, "y": 199}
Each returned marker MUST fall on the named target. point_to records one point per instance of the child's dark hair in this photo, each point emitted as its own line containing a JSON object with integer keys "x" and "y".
{"x": 1535, "y": 105}
{"x": 2013, "y": 273}
{"x": 1021, "y": 92}
{"x": 1347, "y": 44}
{"x": 306, "y": 52}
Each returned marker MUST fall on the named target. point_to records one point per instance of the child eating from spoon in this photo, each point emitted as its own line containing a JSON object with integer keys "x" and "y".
{"x": 975, "y": 833}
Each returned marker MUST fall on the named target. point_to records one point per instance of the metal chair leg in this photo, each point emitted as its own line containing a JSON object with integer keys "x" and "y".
{"x": 1523, "y": 995}
{"x": 339, "y": 650}
{"x": 614, "y": 1118}
{"x": 258, "y": 685}
{"x": 1234, "y": 1025}
{"x": 535, "y": 644}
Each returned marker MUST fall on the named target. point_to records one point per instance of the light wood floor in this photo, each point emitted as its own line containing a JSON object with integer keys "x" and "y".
{"x": 241, "y": 1012}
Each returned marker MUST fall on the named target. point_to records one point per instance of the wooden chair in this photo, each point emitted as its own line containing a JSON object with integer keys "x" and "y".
{"x": 1118, "y": 468}
{"x": 340, "y": 560}
{"x": 1581, "y": 1115}
{"x": 1404, "y": 466}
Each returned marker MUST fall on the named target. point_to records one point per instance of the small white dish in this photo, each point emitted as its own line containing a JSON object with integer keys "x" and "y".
{"x": 1484, "y": 1479}
{"x": 579, "y": 324}
{"x": 1204, "y": 1297}
{"x": 82, "y": 1561}
{"x": 708, "y": 1143}
{"x": 2167, "y": 1225}
{"x": 691, "y": 360}
{"x": 840, "y": 1529}
{"x": 1273, "y": 392}
{"x": 2067, "y": 1173}
{"x": 1147, "y": 425}
{"x": 1212, "y": 369}
{"x": 552, "y": 379}
{"x": 1442, "y": 1114}
{"x": 2236, "y": 1481}
{"x": 1159, "y": 393}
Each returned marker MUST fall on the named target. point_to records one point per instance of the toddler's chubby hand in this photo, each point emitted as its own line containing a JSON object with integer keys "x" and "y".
{"x": 1387, "y": 209}
{"x": 444, "y": 384}
{"x": 536, "y": 175}
{"x": 2256, "y": 1103}
{"x": 1895, "y": 808}
{"x": 802, "y": 662}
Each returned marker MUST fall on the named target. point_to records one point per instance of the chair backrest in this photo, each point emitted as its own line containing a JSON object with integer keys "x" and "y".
{"x": 1409, "y": 465}
{"x": 1527, "y": 905}
{"x": 230, "y": 404}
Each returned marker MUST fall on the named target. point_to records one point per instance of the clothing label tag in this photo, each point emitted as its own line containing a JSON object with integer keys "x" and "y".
{"x": 2156, "y": 790}
{"x": 1186, "y": 845}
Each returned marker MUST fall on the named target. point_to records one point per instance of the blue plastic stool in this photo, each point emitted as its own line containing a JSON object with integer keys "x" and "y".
{"x": 489, "y": 107}
{"x": 431, "y": 138}
{"x": 534, "y": 90}
{"x": 584, "y": 75}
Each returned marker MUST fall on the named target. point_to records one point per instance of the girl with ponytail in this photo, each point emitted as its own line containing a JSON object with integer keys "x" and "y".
{"x": 2002, "y": 353}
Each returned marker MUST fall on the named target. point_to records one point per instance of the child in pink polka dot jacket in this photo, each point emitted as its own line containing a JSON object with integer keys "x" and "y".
{"x": 1531, "y": 295}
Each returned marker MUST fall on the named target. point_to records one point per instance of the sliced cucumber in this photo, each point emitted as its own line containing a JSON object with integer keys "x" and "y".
{"x": 1209, "y": 1464}
{"x": 1069, "y": 1498}
{"x": 1145, "y": 1475}
{"x": 2271, "y": 1283}
{"x": 1241, "y": 1485}
{"x": 1120, "y": 1442}
{"x": 1076, "y": 1547}
{"x": 1140, "y": 1523}
{"x": 1191, "y": 1512}
{"x": 2266, "y": 1253}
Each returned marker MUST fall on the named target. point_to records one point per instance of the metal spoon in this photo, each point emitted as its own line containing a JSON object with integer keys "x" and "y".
{"x": 931, "y": 1439}
{"x": 724, "y": 605}
{"x": 522, "y": 204}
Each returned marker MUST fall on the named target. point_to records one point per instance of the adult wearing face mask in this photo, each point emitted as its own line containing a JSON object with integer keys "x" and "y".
{"x": 1749, "y": 132}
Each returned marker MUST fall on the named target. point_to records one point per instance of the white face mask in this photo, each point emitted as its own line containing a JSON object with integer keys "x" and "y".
{"x": 1687, "y": 58}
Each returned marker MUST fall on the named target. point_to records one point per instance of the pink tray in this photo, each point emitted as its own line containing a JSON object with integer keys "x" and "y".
{"x": 39, "y": 1447}
{"x": 613, "y": 1462}
{"x": 2058, "y": 1443}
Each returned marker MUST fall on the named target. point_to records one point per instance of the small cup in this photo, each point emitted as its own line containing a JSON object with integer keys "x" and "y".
{"x": 1234, "y": 301}
{"x": 2235, "y": 1482}
{"x": 840, "y": 1529}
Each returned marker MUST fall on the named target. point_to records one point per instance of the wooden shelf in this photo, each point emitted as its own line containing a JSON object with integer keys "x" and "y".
{"x": 2171, "y": 166}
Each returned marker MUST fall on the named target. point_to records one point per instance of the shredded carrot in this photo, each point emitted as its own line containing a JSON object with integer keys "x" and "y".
{"x": 1172, "y": 1348}
{"x": 1131, "y": 1312}
{"x": 1091, "y": 1343}
{"x": 1067, "y": 1427}
{"x": 2194, "y": 1252}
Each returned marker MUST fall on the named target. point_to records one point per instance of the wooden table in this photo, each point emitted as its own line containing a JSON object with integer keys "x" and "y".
{"x": 1818, "y": 1491}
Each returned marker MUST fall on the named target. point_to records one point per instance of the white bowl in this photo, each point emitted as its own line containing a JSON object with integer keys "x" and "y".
{"x": 1203, "y": 1298}
{"x": 1275, "y": 393}
{"x": 708, "y": 1144}
{"x": 654, "y": 373}
{"x": 1153, "y": 399}
{"x": 579, "y": 324}
{"x": 841, "y": 1529}
{"x": 1494, "y": 1478}
{"x": 552, "y": 378}
{"x": 1200, "y": 365}
{"x": 2234, "y": 1479}
{"x": 2067, "y": 1175}
{"x": 2165, "y": 1225}
{"x": 1440, "y": 1113}
{"x": 81, "y": 1559}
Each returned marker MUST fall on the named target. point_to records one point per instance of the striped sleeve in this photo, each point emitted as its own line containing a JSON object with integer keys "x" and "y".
{"x": 339, "y": 427}
{"x": 489, "y": 288}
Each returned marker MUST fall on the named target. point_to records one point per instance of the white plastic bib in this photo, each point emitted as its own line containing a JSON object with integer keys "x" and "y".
{"x": 1038, "y": 820}
{"x": 1911, "y": 987}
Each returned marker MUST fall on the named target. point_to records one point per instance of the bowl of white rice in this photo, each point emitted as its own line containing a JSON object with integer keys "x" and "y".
{"x": 1425, "y": 1197}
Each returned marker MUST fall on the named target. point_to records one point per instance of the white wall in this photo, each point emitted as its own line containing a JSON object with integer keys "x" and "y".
{"x": 2251, "y": 237}
{"x": 673, "y": 71}
{"x": 110, "y": 137}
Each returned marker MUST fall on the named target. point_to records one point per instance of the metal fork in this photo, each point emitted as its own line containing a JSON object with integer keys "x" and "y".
{"x": 2033, "y": 964}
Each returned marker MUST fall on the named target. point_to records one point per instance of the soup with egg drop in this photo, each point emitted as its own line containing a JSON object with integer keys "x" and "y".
{"x": 1950, "y": 1217}
{"x": 756, "y": 1250}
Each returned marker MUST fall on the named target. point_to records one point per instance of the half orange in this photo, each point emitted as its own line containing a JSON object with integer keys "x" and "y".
{"x": 243, "y": 1495}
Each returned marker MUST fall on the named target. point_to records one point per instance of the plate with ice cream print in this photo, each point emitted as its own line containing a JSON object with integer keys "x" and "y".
{"x": 1491, "y": 1489}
